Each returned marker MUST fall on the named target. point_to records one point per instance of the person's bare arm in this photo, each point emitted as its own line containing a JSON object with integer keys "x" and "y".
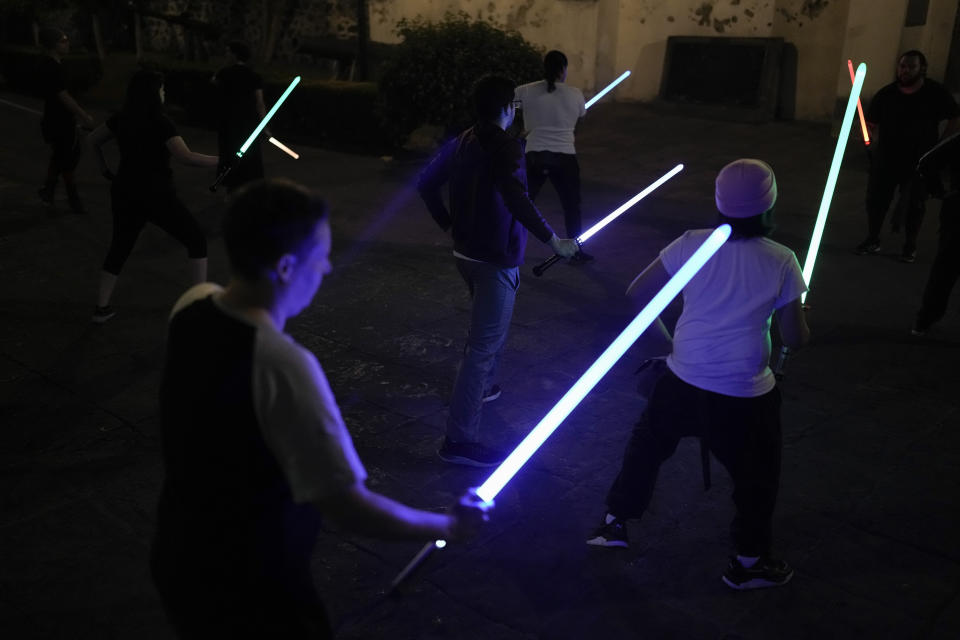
{"x": 645, "y": 286}
{"x": 794, "y": 332}
{"x": 181, "y": 152}
{"x": 82, "y": 116}
{"x": 97, "y": 138}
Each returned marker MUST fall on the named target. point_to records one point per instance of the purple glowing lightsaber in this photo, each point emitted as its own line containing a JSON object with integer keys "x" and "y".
{"x": 610, "y": 217}
{"x": 545, "y": 428}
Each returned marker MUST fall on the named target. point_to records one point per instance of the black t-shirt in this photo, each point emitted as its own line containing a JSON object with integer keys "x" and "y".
{"x": 909, "y": 123}
{"x": 144, "y": 158}
{"x": 50, "y": 82}
{"x": 237, "y": 103}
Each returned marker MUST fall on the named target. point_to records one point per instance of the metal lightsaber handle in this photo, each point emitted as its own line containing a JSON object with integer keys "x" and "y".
{"x": 781, "y": 362}
{"x": 546, "y": 264}
{"x": 223, "y": 174}
{"x": 413, "y": 565}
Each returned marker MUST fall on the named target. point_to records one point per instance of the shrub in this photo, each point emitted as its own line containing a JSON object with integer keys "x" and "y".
{"x": 18, "y": 66}
{"x": 430, "y": 76}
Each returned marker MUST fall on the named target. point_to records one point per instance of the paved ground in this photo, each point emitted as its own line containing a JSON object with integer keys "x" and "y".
{"x": 871, "y": 475}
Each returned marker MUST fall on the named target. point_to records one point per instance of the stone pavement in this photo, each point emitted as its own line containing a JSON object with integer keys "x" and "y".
{"x": 871, "y": 476}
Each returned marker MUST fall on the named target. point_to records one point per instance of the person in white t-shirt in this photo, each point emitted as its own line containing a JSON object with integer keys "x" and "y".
{"x": 551, "y": 110}
{"x": 718, "y": 385}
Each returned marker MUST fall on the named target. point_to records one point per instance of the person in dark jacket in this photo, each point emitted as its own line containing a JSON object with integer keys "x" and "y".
{"x": 240, "y": 109}
{"x": 489, "y": 216}
{"x": 60, "y": 116}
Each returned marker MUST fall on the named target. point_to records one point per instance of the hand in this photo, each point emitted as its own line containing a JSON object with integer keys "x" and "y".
{"x": 468, "y": 515}
{"x": 564, "y": 247}
{"x": 109, "y": 175}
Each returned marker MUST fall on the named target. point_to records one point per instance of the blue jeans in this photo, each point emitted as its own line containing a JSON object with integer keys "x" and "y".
{"x": 493, "y": 290}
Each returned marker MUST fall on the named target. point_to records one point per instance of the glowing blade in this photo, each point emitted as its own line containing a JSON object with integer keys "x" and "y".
{"x": 266, "y": 118}
{"x": 519, "y": 456}
{"x": 287, "y": 150}
{"x": 811, "y": 258}
{"x": 863, "y": 121}
{"x": 613, "y": 215}
{"x": 607, "y": 89}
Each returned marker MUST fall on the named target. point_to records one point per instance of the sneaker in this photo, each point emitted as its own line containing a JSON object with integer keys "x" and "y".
{"x": 492, "y": 393}
{"x": 867, "y": 247}
{"x": 102, "y": 314}
{"x": 470, "y": 454}
{"x": 581, "y": 258}
{"x": 45, "y": 195}
{"x": 917, "y": 331}
{"x": 909, "y": 255}
{"x": 765, "y": 573}
{"x": 610, "y": 534}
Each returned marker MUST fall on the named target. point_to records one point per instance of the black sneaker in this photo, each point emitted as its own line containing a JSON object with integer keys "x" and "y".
{"x": 909, "y": 255}
{"x": 102, "y": 314}
{"x": 471, "y": 454}
{"x": 767, "y": 572}
{"x": 610, "y": 534}
{"x": 581, "y": 258}
{"x": 867, "y": 247}
{"x": 492, "y": 393}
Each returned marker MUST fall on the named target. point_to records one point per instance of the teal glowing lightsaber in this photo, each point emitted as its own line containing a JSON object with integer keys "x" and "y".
{"x": 828, "y": 189}
{"x": 545, "y": 428}
{"x": 258, "y": 130}
{"x": 607, "y": 89}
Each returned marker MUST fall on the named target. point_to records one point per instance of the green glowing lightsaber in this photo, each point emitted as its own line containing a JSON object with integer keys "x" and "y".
{"x": 828, "y": 189}
{"x": 257, "y": 131}
{"x": 832, "y": 176}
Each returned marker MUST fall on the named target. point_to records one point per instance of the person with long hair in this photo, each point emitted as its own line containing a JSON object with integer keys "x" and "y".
{"x": 550, "y": 111}
{"x": 60, "y": 116}
{"x": 142, "y": 190}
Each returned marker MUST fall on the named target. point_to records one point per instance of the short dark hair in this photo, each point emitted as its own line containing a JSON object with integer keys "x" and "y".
{"x": 240, "y": 50}
{"x": 50, "y": 36}
{"x": 267, "y": 219}
{"x": 553, "y": 65}
{"x": 914, "y": 53}
{"x": 490, "y": 95}
{"x": 143, "y": 93}
{"x": 757, "y": 226}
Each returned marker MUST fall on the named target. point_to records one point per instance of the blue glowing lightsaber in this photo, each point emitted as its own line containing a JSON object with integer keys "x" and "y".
{"x": 825, "y": 201}
{"x": 545, "y": 428}
{"x": 606, "y": 89}
{"x": 258, "y": 130}
{"x": 610, "y": 217}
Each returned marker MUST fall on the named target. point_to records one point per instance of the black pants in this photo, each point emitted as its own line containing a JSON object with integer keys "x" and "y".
{"x": 65, "y": 151}
{"x": 883, "y": 182}
{"x": 563, "y": 170}
{"x": 133, "y": 208}
{"x": 946, "y": 266}
{"x": 743, "y": 434}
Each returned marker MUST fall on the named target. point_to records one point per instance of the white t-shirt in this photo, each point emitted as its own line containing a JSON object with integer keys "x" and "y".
{"x": 549, "y": 118}
{"x": 722, "y": 339}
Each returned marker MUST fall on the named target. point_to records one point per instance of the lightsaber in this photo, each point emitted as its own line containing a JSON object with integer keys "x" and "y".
{"x": 825, "y": 201}
{"x": 287, "y": 150}
{"x": 545, "y": 428}
{"x": 863, "y": 121}
{"x": 607, "y": 89}
{"x": 610, "y": 217}
{"x": 258, "y": 130}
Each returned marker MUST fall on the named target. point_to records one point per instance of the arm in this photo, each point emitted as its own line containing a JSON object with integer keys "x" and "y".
{"x": 96, "y": 140}
{"x": 794, "y": 332}
{"x": 644, "y": 287}
{"x": 75, "y": 108}
{"x": 430, "y": 182}
{"x": 179, "y": 150}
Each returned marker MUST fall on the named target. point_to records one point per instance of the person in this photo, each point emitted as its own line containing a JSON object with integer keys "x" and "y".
{"x": 240, "y": 109}
{"x": 903, "y": 119}
{"x": 551, "y": 110}
{"x": 946, "y": 264}
{"x": 489, "y": 216}
{"x": 143, "y": 190}
{"x": 60, "y": 116}
{"x": 717, "y": 384}
{"x": 254, "y": 447}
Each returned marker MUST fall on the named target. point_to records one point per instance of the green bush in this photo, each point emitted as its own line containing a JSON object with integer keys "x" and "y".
{"x": 18, "y": 65}
{"x": 429, "y": 78}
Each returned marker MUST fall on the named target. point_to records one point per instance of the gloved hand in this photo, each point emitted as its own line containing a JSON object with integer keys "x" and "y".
{"x": 564, "y": 247}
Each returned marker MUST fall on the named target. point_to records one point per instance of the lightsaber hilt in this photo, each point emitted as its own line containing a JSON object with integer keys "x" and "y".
{"x": 220, "y": 177}
{"x": 546, "y": 264}
{"x": 414, "y": 564}
{"x": 781, "y": 364}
